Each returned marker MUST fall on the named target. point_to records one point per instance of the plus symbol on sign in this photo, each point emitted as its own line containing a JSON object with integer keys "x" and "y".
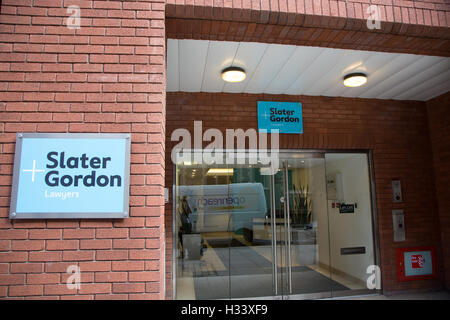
{"x": 33, "y": 171}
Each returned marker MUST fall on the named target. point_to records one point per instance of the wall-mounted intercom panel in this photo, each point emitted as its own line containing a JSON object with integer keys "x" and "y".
{"x": 335, "y": 187}
{"x": 397, "y": 191}
{"x": 398, "y": 220}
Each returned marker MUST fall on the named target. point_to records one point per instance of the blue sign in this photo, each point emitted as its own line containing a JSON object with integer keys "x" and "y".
{"x": 67, "y": 175}
{"x": 286, "y": 117}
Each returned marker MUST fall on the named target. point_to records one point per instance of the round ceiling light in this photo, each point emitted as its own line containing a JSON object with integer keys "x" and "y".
{"x": 233, "y": 74}
{"x": 355, "y": 80}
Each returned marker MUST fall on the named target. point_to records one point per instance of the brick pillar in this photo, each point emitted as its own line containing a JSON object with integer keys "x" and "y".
{"x": 439, "y": 124}
{"x": 107, "y": 76}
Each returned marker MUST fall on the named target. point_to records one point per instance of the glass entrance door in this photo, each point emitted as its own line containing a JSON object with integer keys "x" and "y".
{"x": 325, "y": 245}
{"x": 302, "y": 227}
{"x": 304, "y": 232}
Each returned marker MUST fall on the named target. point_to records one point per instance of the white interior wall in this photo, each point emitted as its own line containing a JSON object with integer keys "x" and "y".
{"x": 319, "y": 210}
{"x": 351, "y": 229}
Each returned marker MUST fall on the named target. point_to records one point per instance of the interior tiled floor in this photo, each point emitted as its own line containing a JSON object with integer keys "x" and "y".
{"x": 240, "y": 271}
{"x": 349, "y": 283}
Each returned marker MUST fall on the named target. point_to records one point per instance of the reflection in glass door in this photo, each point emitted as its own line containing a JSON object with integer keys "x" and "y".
{"x": 325, "y": 205}
{"x": 224, "y": 244}
{"x": 303, "y": 228}
{"x": 251, "y": 251}
{"x": 242, "y": 234}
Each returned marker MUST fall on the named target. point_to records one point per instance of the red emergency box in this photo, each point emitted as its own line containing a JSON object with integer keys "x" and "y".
{"x": 416, "y": 263}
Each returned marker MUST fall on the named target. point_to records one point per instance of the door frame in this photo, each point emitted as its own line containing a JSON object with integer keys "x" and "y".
{"x": 320, "y": 295}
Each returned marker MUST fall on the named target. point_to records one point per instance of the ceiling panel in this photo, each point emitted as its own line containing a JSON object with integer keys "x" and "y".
{"x": 271, "y": 63}
{"x": 220, "y": 56}
{"x": 173, "y": 73}
{"x": 196, "y": 65}
{"x": 314, "y": 71}
{"x": 248, "y": 56}
{"x": 296, "y": 65}
{"x": 435, "y": 91}
{"x": 387, "y": 89}
{"x": 413, "y": 82}
{"x": 384, "y": 74}
{"x": 428, "y": 84}
{"x": 191, "y": 64}
{"x": 375, "y": 61}
{"x": 350, "y": 61}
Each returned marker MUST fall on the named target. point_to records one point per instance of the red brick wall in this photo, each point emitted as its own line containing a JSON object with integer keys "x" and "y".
{"x": 396, "y": 131}
{"x": 439, "y": 123}
{"x": 315, "y": 12}
{"x": 420, "y": 27}
{"x": 107, "y": 76}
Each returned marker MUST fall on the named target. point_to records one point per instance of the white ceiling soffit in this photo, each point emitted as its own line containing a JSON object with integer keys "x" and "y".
{"x": 196, "y": 65}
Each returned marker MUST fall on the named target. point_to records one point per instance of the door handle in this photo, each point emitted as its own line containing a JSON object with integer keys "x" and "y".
{"x": 287, "y": 224}
{"x": 274, "y": 234}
